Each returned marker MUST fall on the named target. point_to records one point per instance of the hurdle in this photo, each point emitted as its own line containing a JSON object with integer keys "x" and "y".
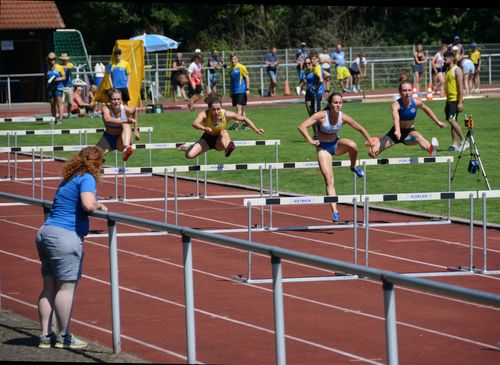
{"x": 27, "y": 119}
{"x": 82, "y": 132}
{"x": 366, "y": 199}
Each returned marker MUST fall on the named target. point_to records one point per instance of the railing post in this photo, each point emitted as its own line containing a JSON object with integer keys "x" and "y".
{"x": 471, "y": 227}
{"x": 390, "y": 323}
{"x": 189, "y": 299}
{"x": 115, "y": 296}
{"x": 279, "y": 321}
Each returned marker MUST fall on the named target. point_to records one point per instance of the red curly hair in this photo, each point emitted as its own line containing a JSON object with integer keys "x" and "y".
{"x": 89, "y": 159}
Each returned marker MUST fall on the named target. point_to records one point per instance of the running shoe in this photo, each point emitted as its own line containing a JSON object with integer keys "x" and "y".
{"x": 453, "y": 148}
{"x": 127, "y": 152}
{"x": 335, "y": 217}
{"x": 182, "y": 147}
{"x": 244, "y": 126}
{"x": 464, "y": 145}
{"x": 358, "y": 172}
{"x": 48, "y": 341}
{"x": 70, "y": 342}
{"x": 297, "y": 90}
{"x": 234, "y": 127}
{"x": 346, "y": 90}
{"x": 230, "y": 147}
{"x": 434, "y": 146}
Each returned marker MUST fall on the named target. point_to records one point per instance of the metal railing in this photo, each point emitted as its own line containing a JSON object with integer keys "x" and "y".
{"x": 388, "y": 278}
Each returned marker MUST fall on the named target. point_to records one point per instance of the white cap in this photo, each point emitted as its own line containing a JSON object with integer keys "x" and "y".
{"x": 454, "y": 48}
{"x": 197, "y": 50}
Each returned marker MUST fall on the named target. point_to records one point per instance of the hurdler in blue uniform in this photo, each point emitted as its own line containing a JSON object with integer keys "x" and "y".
{"x": 404, "y": 112}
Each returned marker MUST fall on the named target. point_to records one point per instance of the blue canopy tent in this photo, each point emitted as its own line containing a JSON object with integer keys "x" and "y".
{"x": 157, "y": 43}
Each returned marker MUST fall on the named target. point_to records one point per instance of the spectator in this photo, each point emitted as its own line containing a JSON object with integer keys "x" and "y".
{"x": 68, "y": 82}
{"x": 419, "y": 60}
{"x": 468, "y": 71}
{"x": 438, "y": 70}
{"x": 272, "y": 63}
{"x": 118, "y": 73}
{"x": 59, "y": 242}
{"x": 357, "y": 73}
{"x": 55, "y": 87}
{"x": 459, "y": 50}
{"x": 215, "y": 62}
{"x": 100, "y": 71}
{"x": 240, "y": 87}
{"x": 475, "y": 57}
{"x": 95, "y": 106}
{"x": 326, "y": 65}
{"x": 300, "y": 56}
{"x": 178, "y": 79}
{"x": 195, "y": 86}
{"x": 78, "y": 105}
{"x": 342, "y": 72}
{"x": 454, "y": 88}
{"x": 315, "y": 84}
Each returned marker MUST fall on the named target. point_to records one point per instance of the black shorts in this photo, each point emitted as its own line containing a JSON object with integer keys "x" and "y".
{"x": 125, "y": 95}
{"x": 210, "y": 140}
{"x": 239, "y": 99}
{"x": 196, "y": 91}
{"x": 404, "y": 133}
{"x": 353, "y": 72}
{"x": 451, "y": 110}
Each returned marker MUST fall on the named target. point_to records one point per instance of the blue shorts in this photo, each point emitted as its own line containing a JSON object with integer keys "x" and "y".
{"x": 52, "y": 93}
{"x": 61, "y": 252}
{"x": 329, "y": 146}
{"x": 272, "y": 75}
{"x": 213, "y": 79}
{"x": 108, "y": 141}
{"x": 468, "y": 67}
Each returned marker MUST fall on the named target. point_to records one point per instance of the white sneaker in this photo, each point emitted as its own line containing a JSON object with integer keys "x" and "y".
{"x": 435, "y": 145}
{"x": 297, "y": 89}
{"x": 354, "y": 90}
{"x": 464, "y": 145}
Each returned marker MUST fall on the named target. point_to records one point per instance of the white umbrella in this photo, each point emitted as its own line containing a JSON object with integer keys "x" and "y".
{"x": 156, "y": 42}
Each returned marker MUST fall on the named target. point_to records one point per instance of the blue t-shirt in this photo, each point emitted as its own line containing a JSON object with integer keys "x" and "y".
{"x": 238, "y": 80}
{"x": 339, "y": 56}
{"x": 273, "y": 59}
{"x": 56, "y": 72}
{"x": 312, "y": 80}
{"x": 67, "y": 211}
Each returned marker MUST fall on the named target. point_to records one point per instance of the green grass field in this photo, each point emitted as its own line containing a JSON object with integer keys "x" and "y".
{"x": 280, "y": 122}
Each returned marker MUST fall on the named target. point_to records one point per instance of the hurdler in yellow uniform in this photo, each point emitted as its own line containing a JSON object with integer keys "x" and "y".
{"x": 213, "y": 123}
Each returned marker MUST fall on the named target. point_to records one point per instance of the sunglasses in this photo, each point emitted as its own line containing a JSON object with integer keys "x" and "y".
{"x": 52, "y": 59}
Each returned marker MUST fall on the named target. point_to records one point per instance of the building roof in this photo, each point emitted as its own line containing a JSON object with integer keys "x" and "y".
{"x": 16, "y": 14}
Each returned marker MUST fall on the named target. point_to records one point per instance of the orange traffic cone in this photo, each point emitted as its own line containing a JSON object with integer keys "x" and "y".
{"x": 415, "y": 90}
{"x": 287, "y": 88}
{"x": 429, "y": 92}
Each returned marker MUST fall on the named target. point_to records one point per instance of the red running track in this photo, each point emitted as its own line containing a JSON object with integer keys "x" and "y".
{"x": 326, "y": 322}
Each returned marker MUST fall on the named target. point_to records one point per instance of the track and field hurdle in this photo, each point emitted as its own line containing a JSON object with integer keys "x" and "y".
{"x": 366, "y": 199}
{"x": 27, "y": 119}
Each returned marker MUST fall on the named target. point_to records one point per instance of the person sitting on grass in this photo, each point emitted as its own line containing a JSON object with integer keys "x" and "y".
{"x": 118, "y": 119}
{"x": 213, "y": 123}
{"x": 404, "y": 112}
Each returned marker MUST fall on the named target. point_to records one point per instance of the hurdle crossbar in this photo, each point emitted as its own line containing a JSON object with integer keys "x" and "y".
{"x": 60, "y": 131}
{"x": 28, "y": 119}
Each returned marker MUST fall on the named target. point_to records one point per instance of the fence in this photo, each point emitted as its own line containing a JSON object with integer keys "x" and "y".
{"x": 389, "y": 279}
{"x": 384, "y": 64}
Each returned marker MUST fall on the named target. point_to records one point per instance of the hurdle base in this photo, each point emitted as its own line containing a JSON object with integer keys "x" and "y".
{"x": 487, "y": 272}
{"x": 335, "y": 277}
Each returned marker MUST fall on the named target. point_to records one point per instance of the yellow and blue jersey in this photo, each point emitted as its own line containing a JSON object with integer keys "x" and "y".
{"x": 238, "y": 80}
{"x": 119, "y": 73}
{"x": 56, "y": 71}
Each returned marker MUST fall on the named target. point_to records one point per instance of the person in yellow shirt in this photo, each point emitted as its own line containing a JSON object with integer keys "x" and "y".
{"x": 55, "y": 87}
{"x": 118, "y": 72}
{"x": 475, "y": 57}
{"x": 213, "y": 123}
{"x": 454, "y": 89}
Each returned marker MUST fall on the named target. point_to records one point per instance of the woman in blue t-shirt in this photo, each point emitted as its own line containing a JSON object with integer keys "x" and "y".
{"x": 60, "y": 245}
